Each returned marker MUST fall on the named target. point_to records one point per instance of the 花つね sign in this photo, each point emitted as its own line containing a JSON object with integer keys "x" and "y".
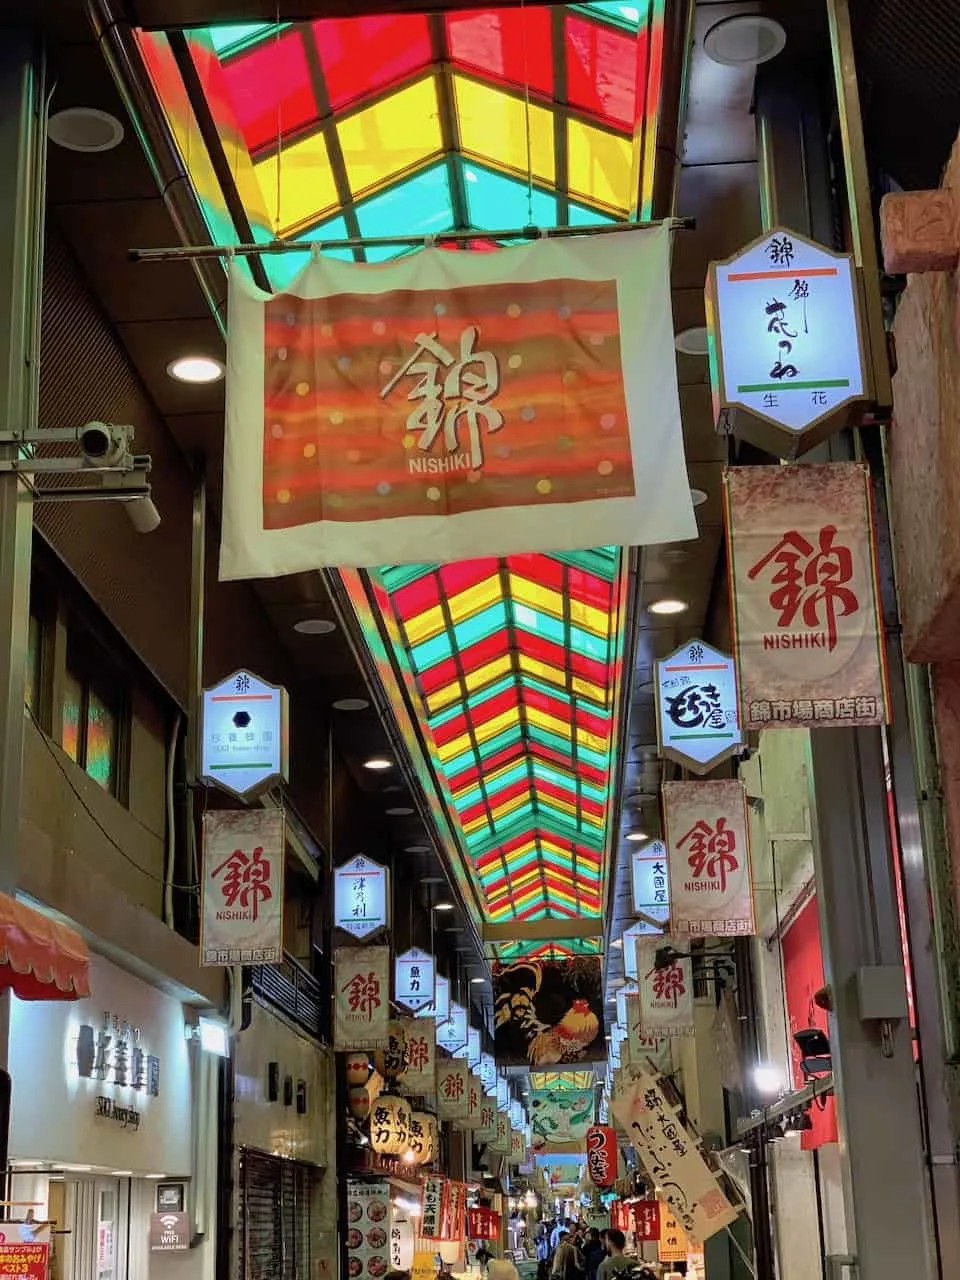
{"x": 361, "y": 897}
{"x": 787, "y": 363}
{"x": 708, "y": 843}
{"x": 803, "y": 585}
{"x": 413, "y": 979}
{"x": 244, "y": 734}
{"x": 242, "y": 887}
{"x": 698, "y": 722}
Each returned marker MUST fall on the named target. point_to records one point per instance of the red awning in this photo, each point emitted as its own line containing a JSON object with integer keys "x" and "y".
{"x": 39, "y": 958}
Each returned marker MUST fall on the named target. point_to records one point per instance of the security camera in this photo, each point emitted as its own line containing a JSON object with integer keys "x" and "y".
{"x": 104, "y": 444}
{"x": 143, "y": 513}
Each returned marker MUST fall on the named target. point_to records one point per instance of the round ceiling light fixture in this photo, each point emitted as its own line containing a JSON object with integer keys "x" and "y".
{"x": 378, "y": 763}
{"x": 85, "y": 129}
{"x": 196, "y": 369}
{"x": 445, "y": 906}
{"x": 635, "y": 835}
{"x": 399, "y": 811}
{"x": 417, "y": 848}
{"x": 314, "y": 626}
{"x": 692, "y": 342}
{"x": 350, "y": 704}
{"x": 745, "y": 40}
{"x": 667, "y": 606}
{"x": 477, "y": 982}
{"x": 698, "y": 496}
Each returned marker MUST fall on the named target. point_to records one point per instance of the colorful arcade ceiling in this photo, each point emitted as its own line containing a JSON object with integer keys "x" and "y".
{"x": 414, "y": 123}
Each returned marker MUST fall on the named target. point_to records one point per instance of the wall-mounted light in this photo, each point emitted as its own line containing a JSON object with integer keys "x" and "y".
{"x": 213, "y": 1034}
{"x": 815, "y": 1056}
{"x": 273, "y": 1081}
{"x": 767, "y": 1079}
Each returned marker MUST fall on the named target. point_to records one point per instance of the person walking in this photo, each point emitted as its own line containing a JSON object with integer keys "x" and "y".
{"x": 615, "y": 1263}
{"x": 567, "y": 1261}
{"x": 593, "y": 1253}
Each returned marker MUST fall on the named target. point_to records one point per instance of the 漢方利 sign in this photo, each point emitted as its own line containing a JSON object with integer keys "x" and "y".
{"x": 698, "y": 722}
{"x": 241, "y": 915}
{"x": 360, "y": 897}
{"x": 787, "y": 362}
{"x": 244, "y": 734}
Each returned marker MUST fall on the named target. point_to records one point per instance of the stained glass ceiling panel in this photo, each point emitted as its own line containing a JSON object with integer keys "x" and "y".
{"x": 437, "y": 116}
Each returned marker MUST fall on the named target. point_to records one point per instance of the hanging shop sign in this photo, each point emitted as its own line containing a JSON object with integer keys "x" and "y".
{"x": 665, "y": 1002}
{"x": 503, "y": 1094}
{"x": 537, "y": 1037}
{"x": 413, "y": 980}
{"x": 621, "y": 1216}
{"x": 241, "y": 912}
{"x": 443, "y": 440}
{"x": 708, "y": 842}
{"x": 602, "y": 1155}
{"x": 368, "y": 1217}
{"x": 361, "y": 1009}
{"x": 402, "y": 1241}
{"x": 518, "y": 1146}
{"x": 244, "y": 734}
{"x": 471, "y": 1050}
{"x": 483, "y": 1223}
{"x": 787, "y": 361}
{"x": 501, "y": 1144}
{"x": 560, "y": 1118}
{"x": 433, "y": 1208}
{"x": 488, "y": 1072}
{"x": 623, "y": 994}
{"x": 455, "y": 1218}
{"x": 630, "y": 936}
{"x": 474, "y": 1098}
{"x": 650, "y": 886}
{"x": 803, "y": 582}
{"x": 454, "y": 1033}
{"x": 665, "y": 1146}
{"x": 672, "y": 1244}
{"x": 361, "y": 897}
{"x": 698, "y": 722}
{"x": 390, "y": 1125}
{"x": 439, "y": 1010}
{"x": 643, "y": 1047}
{"x": 646, "y": 1219}
{"x": 486, "y": 1132}
{"x": 453, "y": 1100}
{"x": 420, "y": 1071}
{"x": 516, "y": 1113}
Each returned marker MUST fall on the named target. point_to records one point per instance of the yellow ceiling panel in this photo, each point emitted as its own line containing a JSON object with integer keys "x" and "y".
{"x": 392, "y": 136}
{"x": 307, "y": 186}
{"x": 493, "y": 127}
{"x": 600, "y": 166}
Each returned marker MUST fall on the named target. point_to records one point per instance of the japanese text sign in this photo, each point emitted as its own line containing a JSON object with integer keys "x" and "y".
{"x": 419, "y": 1074}
{"x": 787, "y": 363}
{"x": 361, "y": 897}
{"x": 646, "y": 1217}
{"x": 602, "y": 1155}
{"x": 402, "y": 1241}
{"x": 373, "y": 414}
{"x": 672, "y": 1243}
{"x": 803, "y": 585}
{"x": 361, "y": 1009}
{"x": 708, "y": 843}
{"x": 23, "y": 1260}
{"x": 650, "y": 886}
{"x": 630, "y": 936}
{"x": 475, "y": 1098}
{"x": 698, "y": 722}
{"x": 665, "y": 1002}
{"x": 244, "y": 734}
{"x": 643, "y": 1047}
{"x": 439, "y": 1011}
{"x": 366, "y": 1233}
{"x": 413, "y": 976}
{"x": 433, "y": 1208}
{"x": 242, "y": 891}
{"x": 488, "y": 1072}
{"x": 453, "y": 1097}
{"x": 671, "y": 1158}
{"x": 454, "y": 1034}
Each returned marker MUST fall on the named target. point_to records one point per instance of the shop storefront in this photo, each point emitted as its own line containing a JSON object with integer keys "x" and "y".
{"x": 102, "y": 1133}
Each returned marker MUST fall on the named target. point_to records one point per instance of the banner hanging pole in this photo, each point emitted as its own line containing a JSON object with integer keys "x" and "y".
{"x": 179, "y": 253}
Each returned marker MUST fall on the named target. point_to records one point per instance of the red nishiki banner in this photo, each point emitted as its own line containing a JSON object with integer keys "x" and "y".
{"x": 708, "y": 845}
{"x": 802, "y": 556}
{"x": 519, "y": 400}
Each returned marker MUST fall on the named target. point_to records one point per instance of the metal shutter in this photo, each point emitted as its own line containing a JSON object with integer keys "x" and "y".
{"x": 276, "y": 1217}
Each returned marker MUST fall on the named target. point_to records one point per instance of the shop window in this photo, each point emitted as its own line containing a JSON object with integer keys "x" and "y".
{"x": 91, "y": 727}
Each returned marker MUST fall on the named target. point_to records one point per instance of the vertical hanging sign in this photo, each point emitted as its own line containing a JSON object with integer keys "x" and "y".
{"x": 455, "y": 1032}
{"x": 244, "y": 734}
{"x": 361, "y": 897}
{"x": 803, "y": 583}
{"x": 413, "y": 980}
{"x": 419, "y": 1075}
{"x": 698, "y": 722}
{"x": 666, "y": 992}
{"x": 361, "y": 1010}
{"x": 433, "y": 1208}
{"x": 649, "y": 885}
{"x": 439, "y": 1009}
{"x": 709, "y": 849}
{"x": 488, "y": 1073}
{"x": 242, "y": 891}
{"x": 453, "y": 1097}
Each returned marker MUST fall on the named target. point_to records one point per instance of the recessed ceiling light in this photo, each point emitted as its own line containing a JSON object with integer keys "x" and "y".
{"x": 443, "y": 906}
{"x": 691, "y": 342}
{"x": 399, "y": 811}
{"x": 76, "y": 1168}
{"x": 85, "y": 129}
{"x": 196, "y": 369}
{"x": 350, "y": 704}
{"x": 698, "y": 496}
{"x": 121, "y": 1173}
{"x": 378, "y": 763}
{"x": 616, "y": 944}
{"x": 421, "y": 848}
{"x": 314, "y": 626}
{"x": 477, "y": 982}
{"x": 154, "y": 1175}
{"x": 745, "y": 40}
{"x": 667, "y": 606}
{"x": 636, "y": 835}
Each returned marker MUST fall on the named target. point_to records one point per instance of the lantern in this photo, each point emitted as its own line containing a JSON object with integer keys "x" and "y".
{"x": 392, "y": 1061}
{"x": 389, "y": 1125}
{"x": 602, "y": 1155}
{"x": 432, "y": 1131}
{"x": 357, "y": 1068}
{"x": 358, "y": 1100}
{"x": 418, "y": 1138}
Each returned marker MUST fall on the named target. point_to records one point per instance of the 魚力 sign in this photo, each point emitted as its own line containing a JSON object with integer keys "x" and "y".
{"x": 802, "y": 566}
{"x": 413, "y": 979}
{"x": 650, "y": 886}
{"x": 244, "y": 734}
{"x": 787, "y": 363}
{"x": 698, "y": 722}
{"x": 241, "y": 917}
{"x": 708, "y": 842}
{"x": 361, "y": 897}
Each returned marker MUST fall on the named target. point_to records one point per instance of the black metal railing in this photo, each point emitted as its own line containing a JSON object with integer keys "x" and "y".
{"x": 293, "y": 991}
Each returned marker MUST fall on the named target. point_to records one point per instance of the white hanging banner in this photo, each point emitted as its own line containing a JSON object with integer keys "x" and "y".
{"x": 708, "y": 839}
{"x": 650, "y": 886}
{"x": 698, "y": 717}
{"x": 361, "y": 897}
{"x": 488, "y": 1073}
{"x": 402, "y": 1238}
{"x": 366, "y": 421}
{"x": 439, "y": 1010}
{"x": 413, "y": 980}
{"x": 666, "y": 992}
{"x": 361, "y": 1008}
{"x": 241, "y": 916}
{"x": 419, "y": 1075}
{"x": 453, "y": 1034}
{"x": 453, "y": 1096}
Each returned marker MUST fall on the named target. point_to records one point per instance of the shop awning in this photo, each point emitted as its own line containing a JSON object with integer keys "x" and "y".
{"x": 39, "y": 958}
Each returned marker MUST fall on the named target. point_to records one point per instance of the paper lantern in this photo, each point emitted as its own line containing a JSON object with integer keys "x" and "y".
{"x": 433, "y": 1139}
{"x": 602, "y": 1155}
{"x": 357, "y": 1068}
{"x": 358, "y": 1100}
{"x": 392, "y": 1061}
{"x": 390, "y": 1125}
{"x": 418, "y": 1138}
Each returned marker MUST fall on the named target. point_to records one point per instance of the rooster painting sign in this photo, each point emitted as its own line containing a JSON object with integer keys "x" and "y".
{"x": 548, "y": 1012}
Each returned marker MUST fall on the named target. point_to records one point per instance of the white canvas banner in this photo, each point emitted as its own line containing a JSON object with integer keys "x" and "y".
{"x": 453, "y": 1093}
{"x": 242, "y": 893}
{"x": 377, "y": 412}
{"x": 665, "y": 1000}
{"x": 361, "y": 1008}
{"x": 420, "y": 1074}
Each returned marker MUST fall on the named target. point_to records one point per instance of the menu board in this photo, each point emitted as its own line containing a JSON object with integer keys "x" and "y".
{"x": 368, "y": 1230}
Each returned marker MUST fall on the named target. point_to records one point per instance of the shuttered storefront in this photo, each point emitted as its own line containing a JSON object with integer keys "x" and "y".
{"x": 276, "y": 1222}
